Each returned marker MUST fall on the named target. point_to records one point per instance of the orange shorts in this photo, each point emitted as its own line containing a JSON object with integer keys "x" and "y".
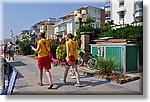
{"x": 43, "y": 62}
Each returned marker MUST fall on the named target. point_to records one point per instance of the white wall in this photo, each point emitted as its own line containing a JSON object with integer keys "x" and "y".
{"x": 129, "y": 5}
{"x": 69, "y": 28}
{"x": 114, "y": 14}
{"x": 55, "y": 29}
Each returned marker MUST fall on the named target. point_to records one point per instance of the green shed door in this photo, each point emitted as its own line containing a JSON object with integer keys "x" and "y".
{"x": 94, "y": 50}
{"x": 131, "y": 58}
{"x": 116, "y": 53}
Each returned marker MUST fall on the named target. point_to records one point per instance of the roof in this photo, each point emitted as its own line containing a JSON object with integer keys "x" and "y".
{"x": 72, "y": 13}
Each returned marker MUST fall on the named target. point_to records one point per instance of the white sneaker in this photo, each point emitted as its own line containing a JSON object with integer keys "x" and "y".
{"x": 73, "y": 77}
{"x": 78, "y": 85}
{"x": 70, "y": 73}
{"x": 61, "y": 79}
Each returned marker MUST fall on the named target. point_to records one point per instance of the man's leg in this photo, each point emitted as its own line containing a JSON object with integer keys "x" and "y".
{"x": 76, "y": 73}
{"x": 67, "y": 67}
{"x": 40, "y": 75}
{"x": 49, "y": 77}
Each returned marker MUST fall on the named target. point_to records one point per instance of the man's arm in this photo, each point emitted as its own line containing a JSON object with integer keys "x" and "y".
{"x": 36, "y": 49}
{"x": 67, "y": 50}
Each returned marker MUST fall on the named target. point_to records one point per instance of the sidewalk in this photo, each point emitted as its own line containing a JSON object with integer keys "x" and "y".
{"x": 27, "y": 80}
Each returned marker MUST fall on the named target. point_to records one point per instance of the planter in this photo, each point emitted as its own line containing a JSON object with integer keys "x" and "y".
{"x": 117, "y": 78}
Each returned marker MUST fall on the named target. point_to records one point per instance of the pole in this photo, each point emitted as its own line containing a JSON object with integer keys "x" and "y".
{"x": 80, "y": 22}
{"x": 11, "y": 35}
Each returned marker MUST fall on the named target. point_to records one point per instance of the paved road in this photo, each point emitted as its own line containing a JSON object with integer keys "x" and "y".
{"x": 28, "y": 77}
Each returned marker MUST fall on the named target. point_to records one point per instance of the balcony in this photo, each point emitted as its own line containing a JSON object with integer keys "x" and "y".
{"x": 140, "y": 23}
{"x": 121, "y": 9}
{"x": 120, "y": 1}
{"x": 138, "y": 12}
{"x": 107, "y": 19}
{"x": 107, "y": 9}
{"x": 138, "y": 1}
{"x": 121, "y": 17}
{"x": 107, "y": 6}
{"x": 121, "y": 21}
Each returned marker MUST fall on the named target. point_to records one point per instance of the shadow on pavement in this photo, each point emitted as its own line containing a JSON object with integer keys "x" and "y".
{"x": 83, "y": 83}
{"x": 16, "y": 64}
{"x": 19, "y": 75}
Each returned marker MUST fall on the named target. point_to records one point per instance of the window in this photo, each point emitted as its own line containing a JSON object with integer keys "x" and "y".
{"x": 121, "y": 15}
{"x": 121, "y": 3}
{"x": 100, "y": 51}
{"x": 95, "y": 11}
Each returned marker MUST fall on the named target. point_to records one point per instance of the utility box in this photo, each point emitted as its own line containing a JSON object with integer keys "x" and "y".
{"x": 126, "y": 56}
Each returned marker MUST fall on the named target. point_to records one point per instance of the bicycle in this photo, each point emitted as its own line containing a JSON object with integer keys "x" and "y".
{"x": 92, "y": 62}
{"x": 88, "y": 60}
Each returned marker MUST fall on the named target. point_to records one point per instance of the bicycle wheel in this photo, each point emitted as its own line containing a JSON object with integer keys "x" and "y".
{"x": 80, "y": 61}
{"x": 91, "y": 64}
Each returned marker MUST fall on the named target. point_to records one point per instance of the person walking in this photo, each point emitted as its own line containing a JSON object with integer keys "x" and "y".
{"x": 11, "y": 50}
{"x": 71, "y": 59}
{"x": 43, "y": 58}
{"x": 17, "y": 49}
{"x": 4, "y": 50}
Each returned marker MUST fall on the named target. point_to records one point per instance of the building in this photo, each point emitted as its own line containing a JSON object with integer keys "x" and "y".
{"x": 64, "y": 26}
{"x": 107, "y": 8}
{"x": 139, "y": 11}
{"x": 69, "y": 23}
{"x": 124, "y": 11}
{"x": 35, "y": 29}
{"x": 45, "y": 26}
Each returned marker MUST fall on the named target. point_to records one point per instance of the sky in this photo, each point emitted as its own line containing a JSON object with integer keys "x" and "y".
{"x": 19, "y": 16}
{"x": 130, "y": 98}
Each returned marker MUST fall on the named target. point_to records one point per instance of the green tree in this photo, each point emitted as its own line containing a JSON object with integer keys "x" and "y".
{"x": 127, "y": 32}
{"x": 25, "y": 48}
{"x": 87, "y": 27}
{"x": 61, "y": 52}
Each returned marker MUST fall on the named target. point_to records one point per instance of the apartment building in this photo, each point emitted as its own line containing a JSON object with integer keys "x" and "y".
{"x": 70, "y": 22}
{"x": 124, "y": 11}
{"x": 45, "y": 26}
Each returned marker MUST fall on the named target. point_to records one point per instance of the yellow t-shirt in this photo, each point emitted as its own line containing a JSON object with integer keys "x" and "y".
{"x": 72, "y": 48}
{"x": 42, "y": 52}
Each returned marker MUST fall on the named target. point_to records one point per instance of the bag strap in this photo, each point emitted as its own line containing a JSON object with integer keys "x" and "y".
{"x": 45, "y": 46}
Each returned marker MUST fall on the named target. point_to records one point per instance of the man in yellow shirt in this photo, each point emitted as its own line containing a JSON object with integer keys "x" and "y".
{"x": 71, "y": 59}
{"x": 43, "y": 58}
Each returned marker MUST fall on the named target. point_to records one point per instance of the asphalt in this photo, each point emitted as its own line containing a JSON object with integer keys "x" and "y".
{"x": 26, "y": 83}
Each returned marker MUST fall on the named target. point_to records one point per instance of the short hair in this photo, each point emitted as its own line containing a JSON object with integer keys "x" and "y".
{"x": 63, "y": 40}
{"x": 42, "y": 34}
{"x": 70, "y": 36}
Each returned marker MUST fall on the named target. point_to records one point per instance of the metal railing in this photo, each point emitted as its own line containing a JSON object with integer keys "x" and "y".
{"x": 8, "y": 76}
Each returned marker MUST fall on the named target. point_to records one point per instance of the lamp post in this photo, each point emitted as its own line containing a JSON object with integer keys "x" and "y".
{"x": 11, "y": 34}
{"x": 80, "y": 17}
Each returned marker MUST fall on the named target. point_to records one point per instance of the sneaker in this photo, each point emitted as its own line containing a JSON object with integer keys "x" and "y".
{"x": 64, "y": 81}
{"x": 51, "y": 86}
{"x": 40, "y": 84}
{"x": 70, "y": 73}
{"x": 73, "y": 77}
{"x": 78, "y": 85}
